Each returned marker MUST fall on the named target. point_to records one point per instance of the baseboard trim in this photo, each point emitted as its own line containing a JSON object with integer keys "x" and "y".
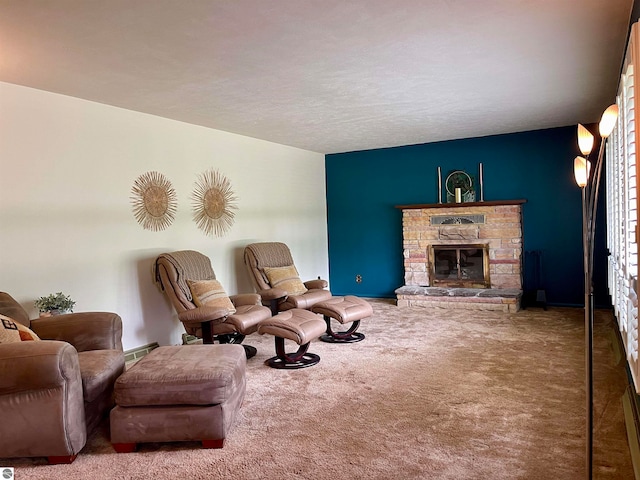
{"x": 139, "y": 352}
{"x": 631, "y": 420}
{"x": 616, "y": 346}
{"x": 190, "y": 339}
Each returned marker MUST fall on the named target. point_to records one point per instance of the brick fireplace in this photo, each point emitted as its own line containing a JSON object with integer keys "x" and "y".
{"x": 462, "y": 255}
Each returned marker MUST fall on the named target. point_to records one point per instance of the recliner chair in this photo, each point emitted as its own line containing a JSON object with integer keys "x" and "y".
{"x": 276, "y": 279}
{"x": 178, "y": 272}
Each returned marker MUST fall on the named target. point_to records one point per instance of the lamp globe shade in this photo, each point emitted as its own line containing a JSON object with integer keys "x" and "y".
{"x": 608, "y": 121}
{"x": 581, "y": 167}
{"x": 585, "y": 140}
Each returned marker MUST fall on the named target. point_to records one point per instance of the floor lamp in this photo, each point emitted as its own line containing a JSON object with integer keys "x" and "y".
{"x": 589, "y": 181}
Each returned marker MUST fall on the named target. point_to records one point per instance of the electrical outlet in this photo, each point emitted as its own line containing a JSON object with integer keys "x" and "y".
{"x": 358, "y": 278}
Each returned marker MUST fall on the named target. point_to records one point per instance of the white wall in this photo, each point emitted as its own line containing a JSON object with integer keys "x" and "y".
{"x": 67, "y": 167}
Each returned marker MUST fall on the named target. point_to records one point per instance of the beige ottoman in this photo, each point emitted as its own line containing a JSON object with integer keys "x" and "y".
{"x": 347, "y": 309}
{"x": 179, "y": 393}
{"x": 298, "y": 325}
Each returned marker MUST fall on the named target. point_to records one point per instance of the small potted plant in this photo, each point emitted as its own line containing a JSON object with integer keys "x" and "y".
{"x": 54, "y": 304}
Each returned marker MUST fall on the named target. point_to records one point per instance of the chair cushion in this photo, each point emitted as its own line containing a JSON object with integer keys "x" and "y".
{"x": 99, "y": 370}
{"x": 298, "y": 325}
{"x": 210, "y": 293}
{"x": 285, "y": 278}
{"x": 344, "y": 309}
{"x": 12, "y": 331}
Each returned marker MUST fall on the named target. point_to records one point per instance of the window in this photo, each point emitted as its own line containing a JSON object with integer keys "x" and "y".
{"x": 622, "y": 208}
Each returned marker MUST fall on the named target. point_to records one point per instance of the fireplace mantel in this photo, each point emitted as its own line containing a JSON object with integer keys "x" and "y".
{"x": 492, "y": 203}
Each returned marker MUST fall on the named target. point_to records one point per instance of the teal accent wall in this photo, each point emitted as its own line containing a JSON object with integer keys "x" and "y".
{"x": 365, "y": 228}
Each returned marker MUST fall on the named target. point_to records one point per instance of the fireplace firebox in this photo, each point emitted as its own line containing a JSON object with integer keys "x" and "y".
{"x": 464, "y": 266}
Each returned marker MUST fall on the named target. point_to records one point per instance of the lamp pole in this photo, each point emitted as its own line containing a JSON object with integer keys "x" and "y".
{"x": 588, "y": 335}
{"x": 589, "y": 185}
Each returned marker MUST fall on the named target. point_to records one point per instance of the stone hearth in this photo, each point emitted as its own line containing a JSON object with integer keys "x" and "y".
{"x": 497, "y": 299}
{"x": 496, "y": 225}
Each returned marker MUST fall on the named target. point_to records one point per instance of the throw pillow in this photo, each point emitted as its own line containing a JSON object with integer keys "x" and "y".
{"x": 286, "y": 278}
{"x": 210, "y": 293}
{"x": 12, "y": 331}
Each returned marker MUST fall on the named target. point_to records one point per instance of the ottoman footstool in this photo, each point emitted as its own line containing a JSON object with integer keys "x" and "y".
{"x": 179, "y": 393}
{"x": 347, "y": 309}
{"x": 298, "y": 325}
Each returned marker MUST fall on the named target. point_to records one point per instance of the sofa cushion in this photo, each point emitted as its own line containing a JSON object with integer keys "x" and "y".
{"x": 11, "y": 308}
{"x": 286, "y": 278}
{"x": 12, "y": 331}
{"x": 210, "y": 293}
{"x": 99, "y": 370}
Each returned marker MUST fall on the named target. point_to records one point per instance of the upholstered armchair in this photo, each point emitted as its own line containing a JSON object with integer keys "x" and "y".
{"x": 275, "y": 278}
{"x": 54, "y": 392}
{"x": 189, "y": 282}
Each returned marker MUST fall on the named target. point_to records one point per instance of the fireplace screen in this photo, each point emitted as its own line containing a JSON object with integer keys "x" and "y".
{"x": 460, "y": 266}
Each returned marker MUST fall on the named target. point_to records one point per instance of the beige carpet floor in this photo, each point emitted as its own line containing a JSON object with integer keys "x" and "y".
{"x": 429, "y": 394}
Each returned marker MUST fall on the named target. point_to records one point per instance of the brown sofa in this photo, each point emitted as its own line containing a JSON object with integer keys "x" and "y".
{"x": 54, "y": 392}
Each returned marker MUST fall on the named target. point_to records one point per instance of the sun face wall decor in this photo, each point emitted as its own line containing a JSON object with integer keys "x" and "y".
{"x": 154, "y": 201}
{"x": 213, "y": 203}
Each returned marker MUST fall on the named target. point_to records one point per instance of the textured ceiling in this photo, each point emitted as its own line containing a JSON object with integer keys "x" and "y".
{"x": 325, "y": 75}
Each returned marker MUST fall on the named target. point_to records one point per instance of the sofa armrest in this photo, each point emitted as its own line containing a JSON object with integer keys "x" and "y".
{"x": 245, "y": 299}
{"x": 41, "y": 400}
{"x": 85, "y": 331}
{"x": 316, "y": 284}
{"x": 34, "y": 365}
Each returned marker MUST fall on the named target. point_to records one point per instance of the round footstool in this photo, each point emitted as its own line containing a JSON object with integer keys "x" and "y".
{"x": 179, "y": 393}
{"x": 348, "y": 309}
{"x": 300, "y": 326}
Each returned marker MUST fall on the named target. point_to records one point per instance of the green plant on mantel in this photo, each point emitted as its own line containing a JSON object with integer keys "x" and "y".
{"x": 55, "y": 303}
